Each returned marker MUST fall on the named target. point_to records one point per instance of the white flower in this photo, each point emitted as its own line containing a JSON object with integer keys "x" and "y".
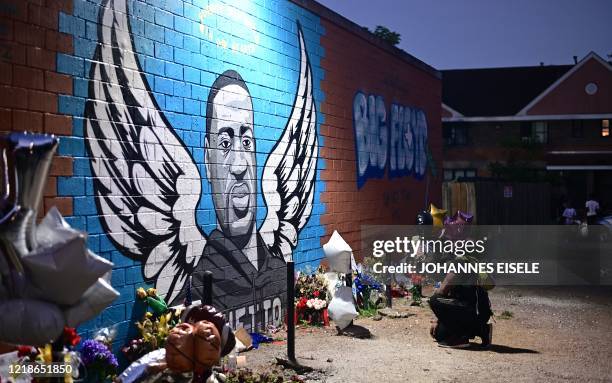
{"x": 310, "y": 303}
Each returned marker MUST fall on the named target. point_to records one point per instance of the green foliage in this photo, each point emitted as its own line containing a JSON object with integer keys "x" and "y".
{"x": 368, "y": 312}
{"x": 311, "y": 286}
{"x": 154, "y": 331}
{"x": 386, "y": 34}
{"x": 506, "y": 315}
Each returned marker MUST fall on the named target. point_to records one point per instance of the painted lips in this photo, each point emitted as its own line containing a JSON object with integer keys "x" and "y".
{"x": 239, "y": 196}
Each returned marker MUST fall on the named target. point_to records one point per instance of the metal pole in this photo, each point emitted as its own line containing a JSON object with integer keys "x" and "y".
{"x": 57, "y": 353}
{"x": 207, "y": 293}
{"x": 348, "y": 279}
{"x": 290, "y": 311}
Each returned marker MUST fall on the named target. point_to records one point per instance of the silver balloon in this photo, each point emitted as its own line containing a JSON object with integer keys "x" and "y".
{"x": 48, "y": 277}
{"x": 32, "y": 154}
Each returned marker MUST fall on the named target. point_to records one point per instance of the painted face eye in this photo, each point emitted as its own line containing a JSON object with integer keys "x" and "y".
{"x": 224, "y": 144}
{"x": 224, "y": 141}
{"x": 247, "y": 143}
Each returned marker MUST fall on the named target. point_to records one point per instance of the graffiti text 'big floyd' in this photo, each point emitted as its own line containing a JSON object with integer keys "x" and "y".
{"x": 398, "y": 142}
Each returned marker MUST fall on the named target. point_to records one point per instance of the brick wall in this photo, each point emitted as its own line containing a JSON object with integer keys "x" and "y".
{"x": 353, "y": 64}
{"x": 59, "y": 75}
{"x": 489, "y": 142}
{"x": 29, "y": 83}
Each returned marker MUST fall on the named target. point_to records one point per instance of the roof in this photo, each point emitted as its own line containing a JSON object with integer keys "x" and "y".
{"x": 497, "y": 91}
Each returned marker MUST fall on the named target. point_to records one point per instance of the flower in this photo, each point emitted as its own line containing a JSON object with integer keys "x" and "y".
{"x": 151, "y": 292}
{"x": 26, "y": 351}
{"x": 316, "y": 303}
{"x": 96, "y": 355}
{"x": 141, "y": 293}
{"x": 316, "y": 293}
{"x": 70, "y": 336}
{"x": 301, "y": 303}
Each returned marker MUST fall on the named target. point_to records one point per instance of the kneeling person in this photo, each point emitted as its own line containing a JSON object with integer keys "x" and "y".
{"x": 463, "y": 309}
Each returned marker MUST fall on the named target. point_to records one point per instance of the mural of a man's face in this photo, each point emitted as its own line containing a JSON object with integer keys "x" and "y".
{"x": 230, "y": 161}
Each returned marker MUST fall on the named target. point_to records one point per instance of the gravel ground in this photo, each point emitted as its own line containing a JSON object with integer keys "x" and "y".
{"x": 555, "y": 335}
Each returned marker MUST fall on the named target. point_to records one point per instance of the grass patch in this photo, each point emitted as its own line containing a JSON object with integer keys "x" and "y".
{"x": 506, "y": 315}
{"x": 369, "y": 312}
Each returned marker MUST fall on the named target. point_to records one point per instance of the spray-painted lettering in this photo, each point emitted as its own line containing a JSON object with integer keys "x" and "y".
{"x": 400, "y": 144}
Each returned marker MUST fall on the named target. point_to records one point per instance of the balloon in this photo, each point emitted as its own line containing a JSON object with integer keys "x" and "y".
{"x": 338, "y": 254}
{"x": 424, "y": 218}
{"x": 437, "y": 214}
{"x": 48, "y": 277}
{"x": 467, "y": 217}
{"x": 31, "y": 155}
{"x": 454, "y": 225}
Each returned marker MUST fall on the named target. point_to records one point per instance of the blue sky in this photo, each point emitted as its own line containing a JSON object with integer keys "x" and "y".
{"x": 451, "y": 34}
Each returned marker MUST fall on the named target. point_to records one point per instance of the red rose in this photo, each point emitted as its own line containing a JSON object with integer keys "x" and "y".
{"x": 71, "y": 338}
{"x": 24, "y": 351}
{"x": 301, "y": 302}
{"x": 316, "y": 293}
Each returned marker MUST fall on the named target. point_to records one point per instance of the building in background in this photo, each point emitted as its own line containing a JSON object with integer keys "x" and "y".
{"x": 549, "y": 123}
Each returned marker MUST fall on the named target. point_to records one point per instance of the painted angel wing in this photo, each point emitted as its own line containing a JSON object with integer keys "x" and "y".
{"x": 289, "y": 174}
{"x": 147, "y": 186}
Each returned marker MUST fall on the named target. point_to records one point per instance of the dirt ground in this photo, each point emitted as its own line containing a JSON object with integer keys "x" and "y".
{"x": 555, "y": 335}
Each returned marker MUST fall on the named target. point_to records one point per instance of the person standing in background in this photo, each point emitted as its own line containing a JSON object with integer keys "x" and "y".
{"x": 569, "y": 214}
{"x": 592, "y": 209}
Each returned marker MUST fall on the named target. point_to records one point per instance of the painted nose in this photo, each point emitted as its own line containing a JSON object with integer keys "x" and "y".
{"x": 238, "y": 166}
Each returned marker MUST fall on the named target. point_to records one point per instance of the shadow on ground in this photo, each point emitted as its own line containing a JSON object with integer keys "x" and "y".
{"x": 501, "y": 349}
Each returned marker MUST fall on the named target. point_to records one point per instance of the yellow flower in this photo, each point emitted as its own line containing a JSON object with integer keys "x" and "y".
{"x": 141, "y": 293}
{"x": 151, "y": 292}
{"x": 148, "y": 314}
{"x": 46, "y": 353}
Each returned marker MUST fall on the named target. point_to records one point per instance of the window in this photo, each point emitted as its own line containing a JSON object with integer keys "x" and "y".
{"x": 453, "y": 174}
{"x": 539, "y": 132}
{"x": 605, "y": 128}
{"x": 536, "y": 131}
{"x": 577, "y": 129}
{"x": 525, "y": 131}
{"x": 455, "y": 134}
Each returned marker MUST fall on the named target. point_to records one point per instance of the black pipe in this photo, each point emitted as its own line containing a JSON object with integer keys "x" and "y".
{"x": 207, "y": 296}
{"x": 389, "y": 296}
{"x": 57, "y": 356}
{"x": 348, "y": 279}
{"x": 290, "y": 311}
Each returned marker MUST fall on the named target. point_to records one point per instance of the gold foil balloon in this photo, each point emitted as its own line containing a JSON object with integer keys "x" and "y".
{"x": 438, "y": 215}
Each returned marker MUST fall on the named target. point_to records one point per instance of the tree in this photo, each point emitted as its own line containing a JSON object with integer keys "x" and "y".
{"x": 389, "y": 36}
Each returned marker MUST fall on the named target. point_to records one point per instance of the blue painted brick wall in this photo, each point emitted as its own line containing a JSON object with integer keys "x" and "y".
{"x": 182, "y": 53}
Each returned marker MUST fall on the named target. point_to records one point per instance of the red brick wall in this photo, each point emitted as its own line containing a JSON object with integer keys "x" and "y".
{"x": 353, "y": 64}
{"x": 570, "y": 96}
{"x": 29, "y": 83}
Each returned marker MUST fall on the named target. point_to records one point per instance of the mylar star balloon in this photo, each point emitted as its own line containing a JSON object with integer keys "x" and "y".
{"x": 437, "y": 214}
{"x": 465, "y": 216}
{"x": 48, "y": 277}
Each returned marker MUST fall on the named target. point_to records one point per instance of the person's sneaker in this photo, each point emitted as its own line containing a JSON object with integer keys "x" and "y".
{"x": 486, "y": 335}
{"x": 455, "y": 343}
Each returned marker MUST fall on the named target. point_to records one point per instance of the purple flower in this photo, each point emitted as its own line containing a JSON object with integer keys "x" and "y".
{"x": 94, "y": 352}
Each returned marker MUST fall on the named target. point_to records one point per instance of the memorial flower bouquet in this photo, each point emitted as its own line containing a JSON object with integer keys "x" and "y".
{"x": 100, "y": 362}
{"x": 365, "y": 284}
{"x": 154, "y": 326}
{"x": 311, "y": 298}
